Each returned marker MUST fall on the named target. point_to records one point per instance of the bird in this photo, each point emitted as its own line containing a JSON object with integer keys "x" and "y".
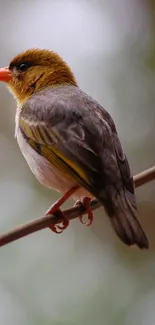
{"x": 71, "y": 143}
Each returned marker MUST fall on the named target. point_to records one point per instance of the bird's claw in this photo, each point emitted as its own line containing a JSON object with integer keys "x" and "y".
{"x": 86, "y": 204}
{"x": 58, "y": 229}
{"x": 84, "y": 222}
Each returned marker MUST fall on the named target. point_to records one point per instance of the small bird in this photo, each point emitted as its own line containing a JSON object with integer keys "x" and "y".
{"x": 70, "y": 142}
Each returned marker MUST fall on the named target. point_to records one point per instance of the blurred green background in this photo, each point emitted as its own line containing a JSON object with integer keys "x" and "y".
{"x": 86, "y": 275}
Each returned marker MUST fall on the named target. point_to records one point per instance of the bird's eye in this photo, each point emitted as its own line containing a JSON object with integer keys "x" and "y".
{"x": 24, "y": 66}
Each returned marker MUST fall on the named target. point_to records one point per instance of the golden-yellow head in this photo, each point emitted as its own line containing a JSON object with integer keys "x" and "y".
{"x": 34, "y": 70}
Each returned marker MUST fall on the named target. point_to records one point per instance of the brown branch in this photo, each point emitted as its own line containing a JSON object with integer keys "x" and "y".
{"x": 45, "y": 221}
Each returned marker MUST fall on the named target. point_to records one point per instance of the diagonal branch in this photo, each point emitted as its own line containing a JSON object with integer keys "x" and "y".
{"x": 45, "y": 221}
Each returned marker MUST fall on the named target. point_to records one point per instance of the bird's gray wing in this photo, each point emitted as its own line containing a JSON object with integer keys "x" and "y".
{"x": 65, "y": 132}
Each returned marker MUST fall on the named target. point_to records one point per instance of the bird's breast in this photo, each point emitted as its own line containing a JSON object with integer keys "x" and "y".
{"x": 44, "y": 171}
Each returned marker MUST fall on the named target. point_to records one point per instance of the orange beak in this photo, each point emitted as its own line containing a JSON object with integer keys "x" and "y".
{"x": 5, "y": 74}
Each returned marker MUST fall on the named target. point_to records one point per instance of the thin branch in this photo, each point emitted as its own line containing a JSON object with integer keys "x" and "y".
{"x": 45, "y": 221}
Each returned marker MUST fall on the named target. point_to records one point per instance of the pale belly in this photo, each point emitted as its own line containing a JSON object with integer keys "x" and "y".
{"x": 45, "y": 172}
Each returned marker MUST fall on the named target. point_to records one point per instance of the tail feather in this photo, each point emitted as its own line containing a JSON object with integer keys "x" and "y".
{"x": 123, "y": 218}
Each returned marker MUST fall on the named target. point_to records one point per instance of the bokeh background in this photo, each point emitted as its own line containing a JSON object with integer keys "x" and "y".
{"x": 86, "y": 275}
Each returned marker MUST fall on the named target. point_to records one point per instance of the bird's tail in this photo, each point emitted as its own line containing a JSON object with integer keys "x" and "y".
{"x": 122, "y": 214}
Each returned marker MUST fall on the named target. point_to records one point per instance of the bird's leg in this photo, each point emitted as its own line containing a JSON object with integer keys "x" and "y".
{"x": 86, "y": 204}
{"x": 55, "y": 209}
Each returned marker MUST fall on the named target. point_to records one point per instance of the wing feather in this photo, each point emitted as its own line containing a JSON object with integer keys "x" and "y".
{"x": 76, "y": 135}
{"x": 65, "y": 147}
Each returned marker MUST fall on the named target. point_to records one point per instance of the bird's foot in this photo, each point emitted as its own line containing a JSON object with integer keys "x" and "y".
{"x": 86, "y": 204}
{"x": 64, "y": 223}
{"x": 55, "y": 210}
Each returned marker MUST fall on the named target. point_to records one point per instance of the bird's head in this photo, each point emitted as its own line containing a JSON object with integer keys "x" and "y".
{"x": 34, "y": 70}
